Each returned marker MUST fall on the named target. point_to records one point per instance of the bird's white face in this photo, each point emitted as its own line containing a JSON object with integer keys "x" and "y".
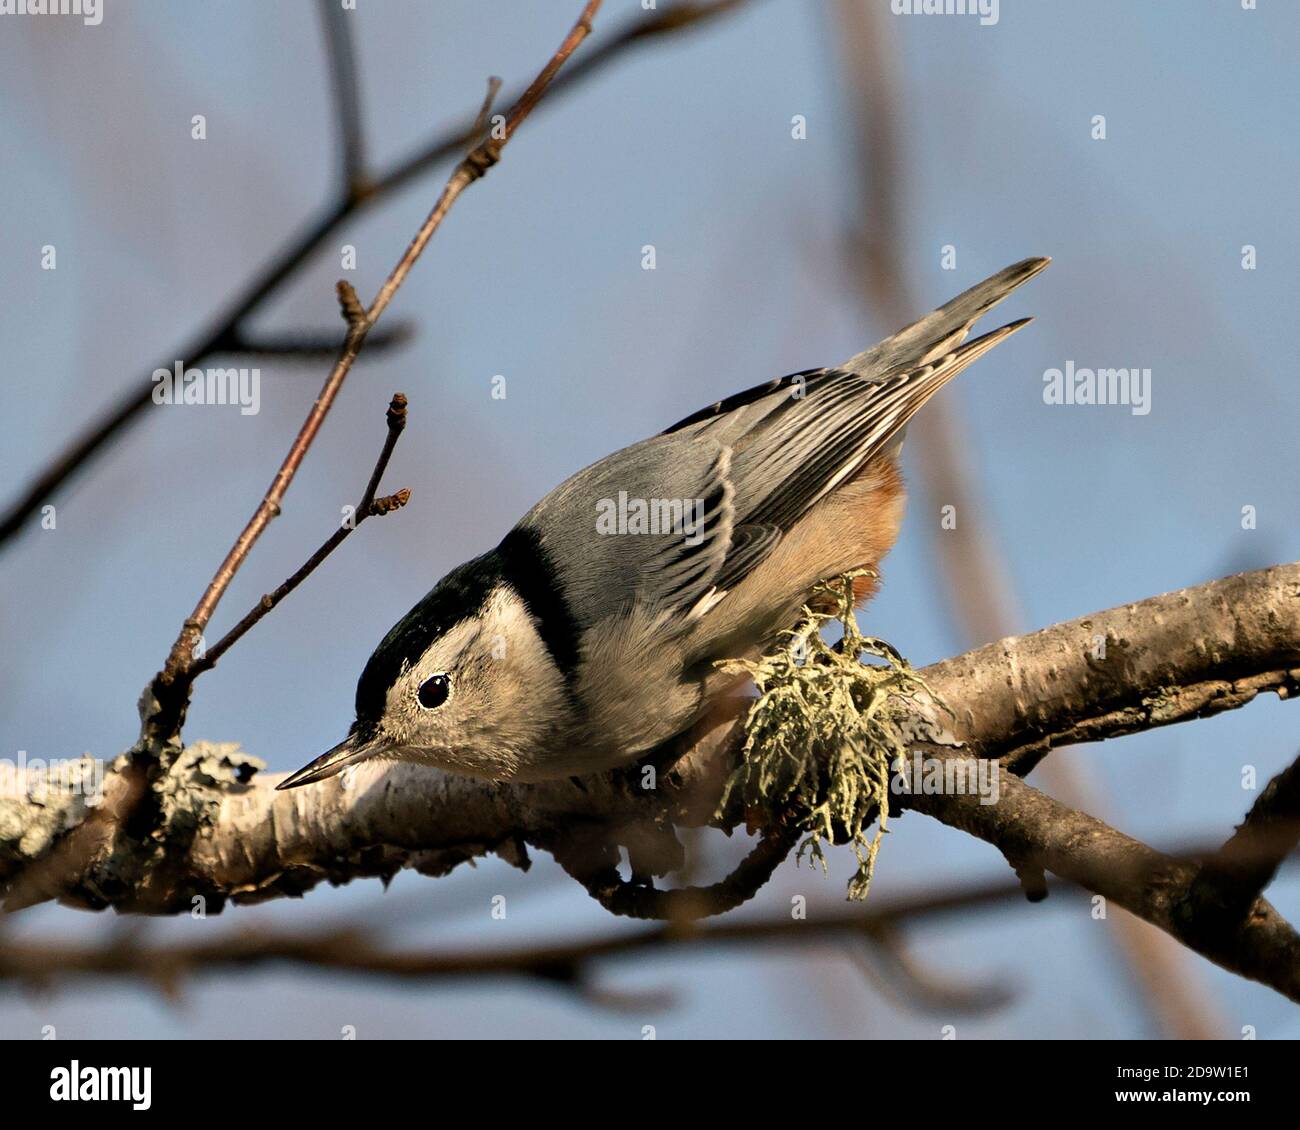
{"x": 482, "y": 698}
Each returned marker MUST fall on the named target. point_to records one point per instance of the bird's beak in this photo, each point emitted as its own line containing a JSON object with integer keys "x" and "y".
{"x": 349, "y": 751}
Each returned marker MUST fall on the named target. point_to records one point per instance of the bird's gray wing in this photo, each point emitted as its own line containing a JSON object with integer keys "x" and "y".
{"x": 585, "y": 535}
{"x": 751, "y": 543}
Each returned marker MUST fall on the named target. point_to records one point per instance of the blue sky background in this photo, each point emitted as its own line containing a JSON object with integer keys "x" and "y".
{"x": 536, "y": 276}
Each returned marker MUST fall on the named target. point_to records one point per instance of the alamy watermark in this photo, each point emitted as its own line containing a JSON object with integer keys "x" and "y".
{"x": 76, "y": 1083}
{"x": 987, "y": 10}
{"x": 624, "y": 515}
{"x": 1073, "y": 385}
{"x": 90, "y": 11}
{"x": 39, "y": 779}
{"x": 946, "y": 776}
{"x": 179, "y": 385}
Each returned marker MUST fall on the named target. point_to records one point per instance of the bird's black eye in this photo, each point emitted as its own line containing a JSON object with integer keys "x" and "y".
{"x": 434, "y": 691}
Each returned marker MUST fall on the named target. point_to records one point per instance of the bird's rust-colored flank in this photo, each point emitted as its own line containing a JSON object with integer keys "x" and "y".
{"x": 875, "y": 510}
{"x": 855, "y": 528}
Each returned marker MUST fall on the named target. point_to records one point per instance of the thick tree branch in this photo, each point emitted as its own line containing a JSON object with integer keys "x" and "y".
{"x": 224, "y": 837}
{"x": 1186, "y": 654}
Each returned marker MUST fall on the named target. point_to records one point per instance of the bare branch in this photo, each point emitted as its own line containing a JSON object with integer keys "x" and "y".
{"x": 305, "y": 345}
{"x": 368, "y": 507}
{"x": 897, "y": 973}
{"x": 1187, "y": 654}
{"x": 641, "y": 899}
{"x": 1028, "y": 824}
{"x": 485, "y": 111}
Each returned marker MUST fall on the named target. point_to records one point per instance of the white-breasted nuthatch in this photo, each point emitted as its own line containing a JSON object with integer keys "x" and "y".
{"x": 591, "y": 634}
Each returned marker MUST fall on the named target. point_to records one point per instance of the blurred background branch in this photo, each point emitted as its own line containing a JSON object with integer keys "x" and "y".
{"x": 566, "y": 965}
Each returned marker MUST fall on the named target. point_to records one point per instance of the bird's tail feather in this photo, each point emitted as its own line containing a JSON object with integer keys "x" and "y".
{"x": 942, "y": 330}
{"x": 915, "y": 392}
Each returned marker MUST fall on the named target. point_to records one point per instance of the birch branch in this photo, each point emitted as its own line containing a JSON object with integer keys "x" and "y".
{"x": 225, "y": 834}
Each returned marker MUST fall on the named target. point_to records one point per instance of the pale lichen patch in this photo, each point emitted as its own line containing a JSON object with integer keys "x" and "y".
{"x": 825, "y": 731}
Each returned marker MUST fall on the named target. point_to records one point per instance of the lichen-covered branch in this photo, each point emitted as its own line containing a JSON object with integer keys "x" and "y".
{"x": 1187, "y": 654}
{"x": 226, "y": 834}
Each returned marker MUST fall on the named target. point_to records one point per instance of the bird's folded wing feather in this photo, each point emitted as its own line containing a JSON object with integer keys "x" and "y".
{"x": 651, "y": 526}
{"x": 747, "y": 469}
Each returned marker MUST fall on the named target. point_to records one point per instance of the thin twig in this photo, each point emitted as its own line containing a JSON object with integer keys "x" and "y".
{"x": 592, "y": 867}
{"x": 481, "y": 158}
{"x": 369, "y": 506}
{"x": 901, "y": 977}
{"x": 79, "y": 452}
{"x": 485, "y": 111}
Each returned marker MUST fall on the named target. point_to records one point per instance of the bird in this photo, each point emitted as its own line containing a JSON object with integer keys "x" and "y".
{"x": 598, "y": 628}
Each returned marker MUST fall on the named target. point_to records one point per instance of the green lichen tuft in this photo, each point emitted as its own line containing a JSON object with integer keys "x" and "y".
{"x": 824, "y": 732}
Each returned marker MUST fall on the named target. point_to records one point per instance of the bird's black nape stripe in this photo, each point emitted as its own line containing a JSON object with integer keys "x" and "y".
{"x": 458, "y": 596}
{"x": 526, "y": 567}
